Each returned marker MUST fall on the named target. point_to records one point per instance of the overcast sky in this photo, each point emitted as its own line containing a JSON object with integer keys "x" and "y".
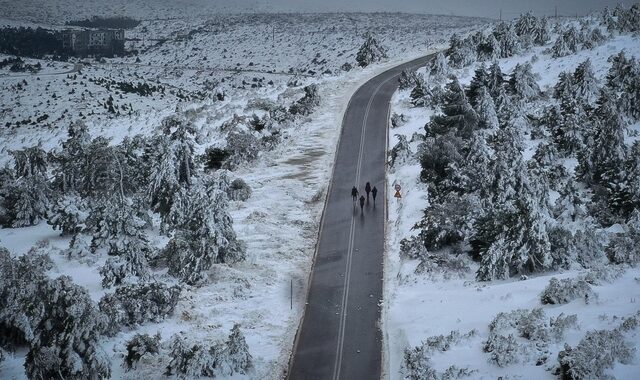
{"x": 481, "y": 8}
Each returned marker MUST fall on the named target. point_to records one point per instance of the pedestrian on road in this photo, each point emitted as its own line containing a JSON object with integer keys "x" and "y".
{"x": 374, "y": 192}
{"x": 367, "y": 188}
{"x": 361, "y": 203}
{"x": 354, "y": 194}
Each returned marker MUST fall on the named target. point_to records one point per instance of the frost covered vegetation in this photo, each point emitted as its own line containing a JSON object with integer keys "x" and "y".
{"x": 521, "y": 175}
{"x": 175, "y": 193}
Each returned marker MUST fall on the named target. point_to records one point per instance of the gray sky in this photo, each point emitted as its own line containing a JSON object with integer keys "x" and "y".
{"x": 481, "y": 8}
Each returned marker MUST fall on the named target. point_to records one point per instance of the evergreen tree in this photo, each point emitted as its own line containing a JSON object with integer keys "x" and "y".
{"x": 476, "y": 165}
{"x": 569, "y": 207}
{"x": 458, "y": 115}
{"x": 488, "y": 48}
{"x": 503, "y": 103}
{"x": 623, "y": 79}
{"x": 526, "y": 27}
{"x": 623, "y": 191}
{"x": 236, "y": 357}
{"x": 164, "y": 182}
{"x": 507, "y": 165}
{"x": 419, "y": 94}
{"x": 605, "y": 156}
{"x": 495, "y": 79}
{"x": 486, "y": 109}
{"x": 508, "y": 39}
{"x": 542, "y": 33}
{"x": 522, "y": 243}
{"x": 67, "y": 344}
{"x": 522, "y": 83}
{"x": 585, "y": 84}
{"x": 480, "y": 79}
{"x": 27, "y": 200}
{"x": 117, "y": 225}
{"x": 461, "y": 52}
{"x": 370, "y": 51}
{"x": 30, "y": 162}
{"x": 69, "y": 214}
{"x": 620, "y": 74}
{"x": 565, "y": 88}
{"x": 204, "y": 235}
{"x": 182, "y": 136}
{"x": 566, "y": 43}
{"x": 570, "y": 134}
{"x": 71, "y": 168}
{"x": 438, "y": 68}
{"x": 134, "y": 304}
{"x": 20, "y": 310}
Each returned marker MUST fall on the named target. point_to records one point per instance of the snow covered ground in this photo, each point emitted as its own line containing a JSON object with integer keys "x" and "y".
{"x": 279, "y": 221}
{"x": 419, "y": 307}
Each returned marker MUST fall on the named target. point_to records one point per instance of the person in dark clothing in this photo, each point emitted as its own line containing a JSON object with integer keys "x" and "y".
{"x": 367, "y": 188}
{"x": 354, "y": 194}
{"x": 361, "y": 203}
{"x": 374, "y": 192}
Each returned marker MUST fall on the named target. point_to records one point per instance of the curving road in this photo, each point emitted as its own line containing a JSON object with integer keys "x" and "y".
{"x": 340, "y": 335}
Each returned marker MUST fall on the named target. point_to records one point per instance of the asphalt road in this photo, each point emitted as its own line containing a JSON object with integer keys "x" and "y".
{"x": 340, "y": 334}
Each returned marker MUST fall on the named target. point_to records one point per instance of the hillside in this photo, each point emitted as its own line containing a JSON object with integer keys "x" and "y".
{"x": 513, "y": 250}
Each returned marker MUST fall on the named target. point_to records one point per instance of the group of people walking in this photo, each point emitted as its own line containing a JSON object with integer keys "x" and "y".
{"x": 369, "y": 190}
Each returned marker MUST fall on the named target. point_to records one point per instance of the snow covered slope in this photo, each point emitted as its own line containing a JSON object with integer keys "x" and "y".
{"x": 460, "y": 303}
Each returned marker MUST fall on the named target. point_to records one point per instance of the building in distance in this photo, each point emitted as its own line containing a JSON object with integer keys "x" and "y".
{"x": 101, "y": 42}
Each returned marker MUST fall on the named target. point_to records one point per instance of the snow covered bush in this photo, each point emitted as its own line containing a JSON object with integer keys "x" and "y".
{"x": 134, "y": 304}
{"x": 239, "y": 190}
{"x": 398, "y": 120}
{"x": 503, "y": 350}
{"x": 221, "y": 359}
{"x": 559, "y": 325}
{"x": 443, "y": 264}
{"x": 68, "y": 214}
{"x": 443, "y": 343}
{"x": 67, "y": 337}
{"x": 566, "y": 290}
{"x": 401, "y": 154}
{"x": 412, "y": 247}
{"x": 370, "y": 51}
{"x": 625, "y": 248}
{"x": 305, "y": 105}
{"x": 506, "y": 329}
{"x": 242, "y": 147}
{"x": 598, "y": 351}
{"x": 407, "y": 79}
{"x": 139, "y": 346}
{"x": 417, "y": 365}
